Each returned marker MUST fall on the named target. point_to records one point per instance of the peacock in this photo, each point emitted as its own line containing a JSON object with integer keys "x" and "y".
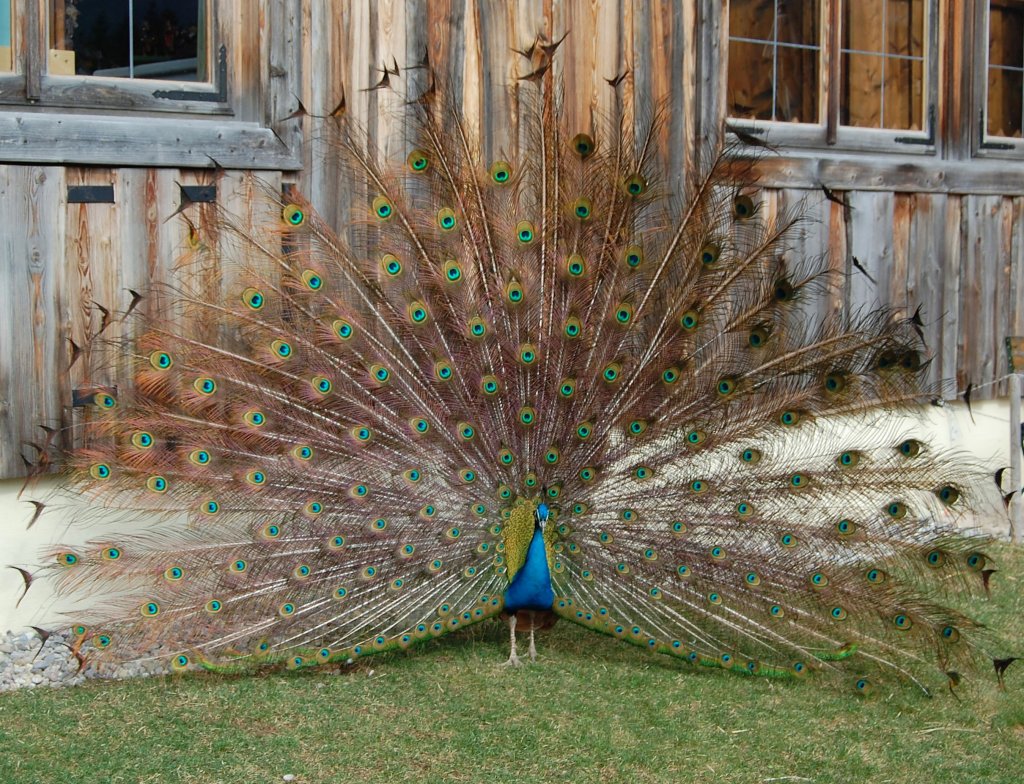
{"x": 542, "y": 388}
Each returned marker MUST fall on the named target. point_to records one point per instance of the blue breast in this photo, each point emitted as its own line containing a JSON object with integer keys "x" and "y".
{"x": 531, "y": 587}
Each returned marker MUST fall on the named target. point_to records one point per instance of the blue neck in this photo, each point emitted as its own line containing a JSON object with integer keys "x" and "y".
{"x": 531, "y": 587}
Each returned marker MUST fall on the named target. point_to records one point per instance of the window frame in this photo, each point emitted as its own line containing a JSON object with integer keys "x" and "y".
{"x": 984, "y": 144}
{"x": 96, "y": 120}
{"x": 827, "y": 133}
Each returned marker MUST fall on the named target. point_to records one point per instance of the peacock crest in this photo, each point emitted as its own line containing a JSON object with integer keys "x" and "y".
{"x": 542, "y": 385}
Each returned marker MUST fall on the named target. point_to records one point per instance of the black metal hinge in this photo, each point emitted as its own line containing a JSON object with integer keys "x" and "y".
{"x": 985, "y": 143}
{"x": 220, "y": 82}
{"x": 90, "y": 194}
{"x": 928, "y": 140}
{"x": 198, "y": 194}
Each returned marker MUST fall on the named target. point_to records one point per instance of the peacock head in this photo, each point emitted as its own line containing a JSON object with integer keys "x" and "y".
{"x": 540, "y": 514}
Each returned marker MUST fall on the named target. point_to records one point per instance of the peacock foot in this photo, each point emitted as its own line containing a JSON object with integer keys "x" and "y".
{"x": 513, "y": 661}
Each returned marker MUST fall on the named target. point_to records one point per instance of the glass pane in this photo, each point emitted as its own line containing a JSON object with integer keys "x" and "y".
{"x": 862, "y": 25}
{"x": 1005, "y": 68}
{"x": 1006, "y": 34}
{"x": 750, "y": 80}
{"x": 861, "y": 103}
{"x": 903, "y": 104}
{"x": 1005, "y": 90}
{"x": 796, "y": 91}
{"x": 798, "y": 22}
{"x": 751, "y": 19}
{"x": 140, "y": 39}
{"x": 773, "y": 67}
{"x": 905, "y": 27}
{"x": 883, "y": 64}
{"x": 6, "y": 58}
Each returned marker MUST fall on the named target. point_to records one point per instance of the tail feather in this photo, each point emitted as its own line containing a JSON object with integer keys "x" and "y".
{"x": 359, "y": 439}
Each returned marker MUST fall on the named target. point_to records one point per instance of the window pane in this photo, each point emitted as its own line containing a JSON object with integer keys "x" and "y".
{"x": 1005, "y": 67}
{"x": 6, "y": 59}
{"x": 883, "y": 64}
{"x": 861, "y": 104}
{"x": 905, "y": 27}
{"x": 751, "y": 19}
{"x": 750, "y": 80}
{"x": 141, "y": 39}
{"x": 774, "y": 52}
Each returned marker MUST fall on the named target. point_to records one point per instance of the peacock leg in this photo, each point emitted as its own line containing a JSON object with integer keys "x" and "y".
{"x": 513, "y": 660}
{"x": 533, "y": 647}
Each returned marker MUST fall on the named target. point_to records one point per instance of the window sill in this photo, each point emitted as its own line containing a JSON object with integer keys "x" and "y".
{"x": 866, "y": 172}
{"x": 41, "y": 137}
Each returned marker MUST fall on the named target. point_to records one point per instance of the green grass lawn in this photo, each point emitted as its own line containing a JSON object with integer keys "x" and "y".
{"x": 591, "y": 709}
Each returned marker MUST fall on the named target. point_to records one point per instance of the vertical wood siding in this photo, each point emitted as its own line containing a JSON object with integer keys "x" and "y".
{"x": 958, "y": 256}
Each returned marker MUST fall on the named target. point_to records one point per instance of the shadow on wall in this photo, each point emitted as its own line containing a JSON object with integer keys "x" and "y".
{"x": 986, "y": 439}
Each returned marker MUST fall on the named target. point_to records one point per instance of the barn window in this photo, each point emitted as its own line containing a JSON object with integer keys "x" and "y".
{"x": 85, "y": 77}
{"x": 1004, "y": 107}
{"x": 134, "y": 39}
{"x": 774, "y": 54}
{"x": 840, "y": 65}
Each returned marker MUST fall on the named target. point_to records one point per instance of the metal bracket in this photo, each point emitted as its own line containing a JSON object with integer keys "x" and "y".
{"x": 220, "y": 83}
{"x": 90, "y": 194}
{"x": 985, "y": 144}
{"x": 198, "y": 194}
{"x": 929, "y": 140}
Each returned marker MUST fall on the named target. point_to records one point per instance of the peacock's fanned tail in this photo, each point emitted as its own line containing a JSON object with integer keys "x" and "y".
{"x": 356, "y": 435}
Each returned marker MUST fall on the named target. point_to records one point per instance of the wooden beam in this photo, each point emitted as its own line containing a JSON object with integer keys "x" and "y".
{"x": 29, "y": 137}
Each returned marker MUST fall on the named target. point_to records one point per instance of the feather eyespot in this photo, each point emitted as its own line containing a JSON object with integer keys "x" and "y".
{"x": 156, "y": 484}
{"x": 443, "y": 370}
{"x": 583, "y": 145}
{"x": 575, "y": 266}
{"x": 100, "y": 471}
{"x": 383, "y": 208}
{"x": 391, "y": 265}
{"x": 635, "y": 185}
{"x": 582, "y": 209}
{"x": 525, "y": 232}
{"x": 624, "y": 313}
{"x": 342, "y": 329}
{"x": 500, "y": 172}
{"x": 452, "y": 271}
{"x": 514, "y": 292}
{"x": 418, "y": 161}
{"x": 253, "y": 298}
{"x": 910, "y": 448}
{"x": 633, "y": 256}
{"x": 312, "y": 280}
{"x": 743, "y": 207}
{"x": 293, "y": 215}
{"x": 446, "y": 219}
{"x": 161, "y": 360}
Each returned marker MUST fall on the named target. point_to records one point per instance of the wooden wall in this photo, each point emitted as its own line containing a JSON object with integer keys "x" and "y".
{"x": 922, "y": 234}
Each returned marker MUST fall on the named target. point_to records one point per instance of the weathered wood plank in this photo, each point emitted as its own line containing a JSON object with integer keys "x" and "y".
{"x": 117, "y": 141}
{"x": 871, "y": 244}
{"x": 889, "y": 172}
{"x": 981, "y": 270}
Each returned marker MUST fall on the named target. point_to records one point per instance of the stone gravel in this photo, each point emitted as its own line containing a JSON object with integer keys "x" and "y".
{"x": 27, "y": 662}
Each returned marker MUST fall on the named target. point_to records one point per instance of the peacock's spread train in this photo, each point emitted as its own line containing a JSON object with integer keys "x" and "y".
{"x": 541, "y": 387}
